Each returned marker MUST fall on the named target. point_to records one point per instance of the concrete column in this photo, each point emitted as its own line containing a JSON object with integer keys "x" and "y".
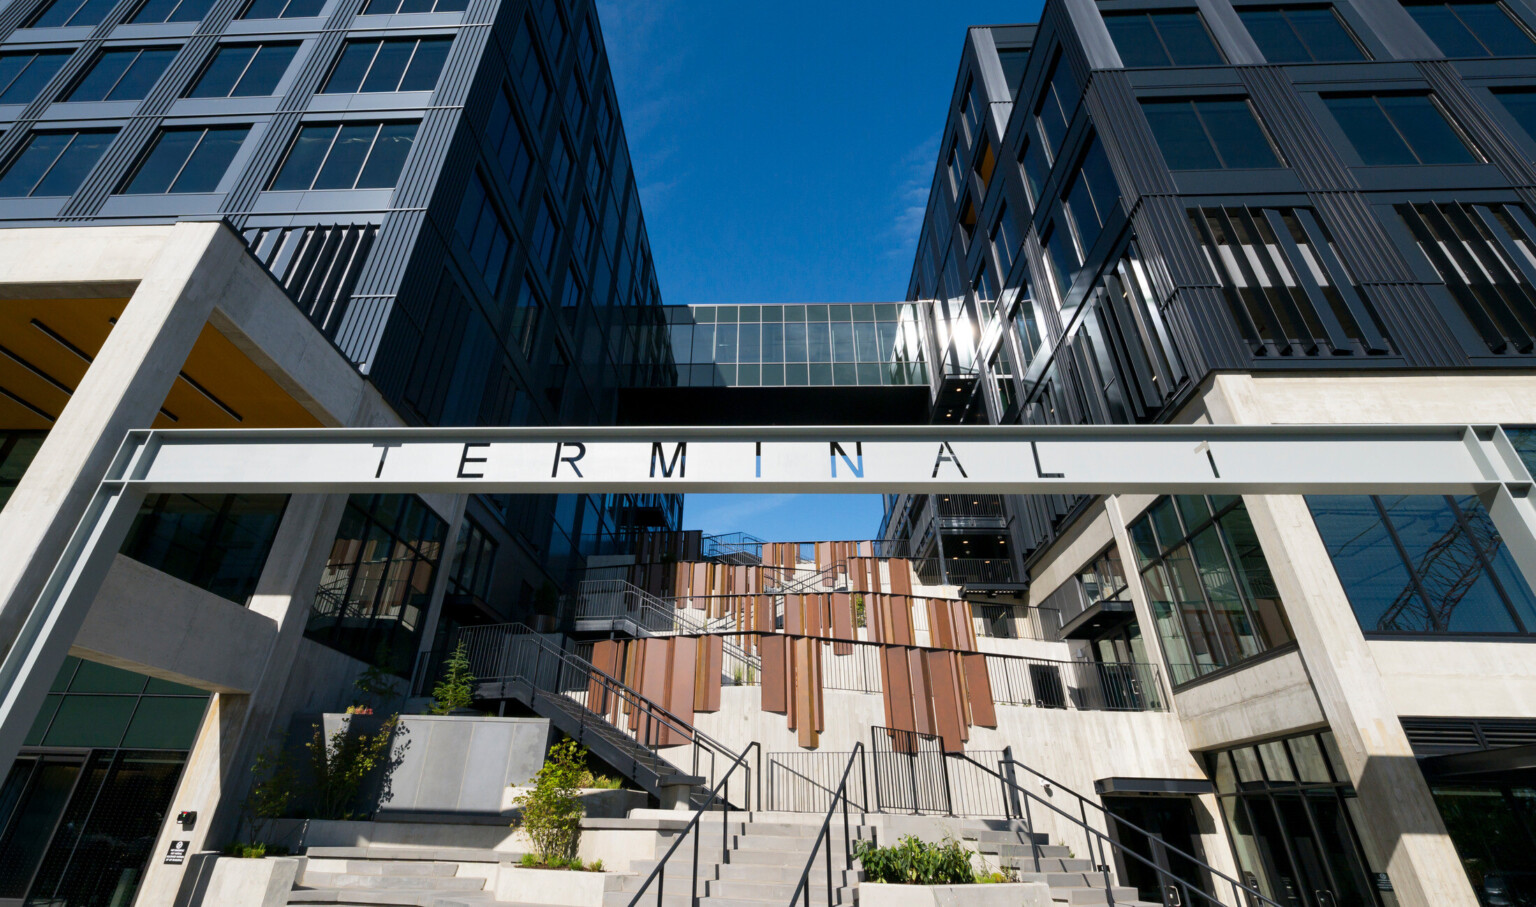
{"x": 1403, "y": 833}
{"x": 236, "y": 729}
{"x": 123, "y": 389}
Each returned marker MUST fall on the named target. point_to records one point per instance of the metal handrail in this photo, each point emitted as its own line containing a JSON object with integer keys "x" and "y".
{"x": 655, "y": 714}
{"x": 659, "y": 872}
{"x": 664, "y": 615}
{"x": 1093, "y": 835}
{"x": 825, "y": 835}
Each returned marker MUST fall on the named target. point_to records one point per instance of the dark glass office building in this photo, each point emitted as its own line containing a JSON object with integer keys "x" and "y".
{"x": 443, "y": 188}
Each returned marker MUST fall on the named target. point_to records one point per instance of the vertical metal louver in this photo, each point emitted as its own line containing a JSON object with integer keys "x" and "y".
{"x": 1486, "y": 256}
{"x": 317, "y": 265}
{"x": 1289, "y": 293}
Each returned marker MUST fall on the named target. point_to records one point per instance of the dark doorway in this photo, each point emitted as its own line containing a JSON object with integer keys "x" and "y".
{"x": 1173, "y": 820}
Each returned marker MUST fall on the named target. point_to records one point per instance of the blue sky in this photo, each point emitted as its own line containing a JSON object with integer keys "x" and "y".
{"x": 783, "y": 153}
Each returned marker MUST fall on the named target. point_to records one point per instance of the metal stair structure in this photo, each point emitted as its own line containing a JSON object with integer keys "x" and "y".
{"x": 511, "y": 661}
{"x": 619, "y": 606}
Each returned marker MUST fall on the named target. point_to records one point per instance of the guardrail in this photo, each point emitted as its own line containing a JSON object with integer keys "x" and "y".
{"x": 839, "y": 797}
{"x": 1081, "y": 685}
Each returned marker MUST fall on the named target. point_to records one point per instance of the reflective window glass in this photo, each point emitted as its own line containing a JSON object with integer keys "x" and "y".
{"x": 53, "y": 163}
{"x": 186, "y": 160}
{"x": 1473, "y": 29}
{"x": 1164, "y": 38}
{"x": 1303, "y": 34}
{"x": 23, "y": 75}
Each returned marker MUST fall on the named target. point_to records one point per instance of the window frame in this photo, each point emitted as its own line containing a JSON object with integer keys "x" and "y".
{"x": 36, "y": 54}
{"x": 1353, "y": 152}
{"x": 1195, "y": 101}
{"x": 1351, "y": 31}
{"x": 340, "y": 124}
{"x": 379, "y": 44}
{"x": 68, "y": 96}
{"x": 259, "y": 47}
{"x": 26, "y": 143}
{"x": 1151, "y": 14}
{"x": 154, "y": 145}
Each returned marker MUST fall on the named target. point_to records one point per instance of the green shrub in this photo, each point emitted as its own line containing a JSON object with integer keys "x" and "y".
{"x": 274, "y": 784}
{"x": 339, "y": 767}
{"x": 457, "y": 688}
{"x": 253, "y": 851}
{"x": 552, "y": 810}
{"x": 914, "y": 862}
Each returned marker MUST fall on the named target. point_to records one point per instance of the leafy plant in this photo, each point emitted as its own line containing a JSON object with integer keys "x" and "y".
{"x": 340, "y": 766}
{"x": 457, "y": 688}
{"x": 552, "y": 811}
{"x": 858, "y": 611}
{"x": 274, "y": 783}
{"x": 247, "y": 851}
{"x": 598, "y": 782}
{"x": 912, "y": 861}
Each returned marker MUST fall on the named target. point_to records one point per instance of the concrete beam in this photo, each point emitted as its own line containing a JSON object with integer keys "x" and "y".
{"x": 147, "y": 621}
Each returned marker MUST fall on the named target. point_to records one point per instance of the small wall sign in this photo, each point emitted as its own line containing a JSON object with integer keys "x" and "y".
{"x": 178, "y": 852}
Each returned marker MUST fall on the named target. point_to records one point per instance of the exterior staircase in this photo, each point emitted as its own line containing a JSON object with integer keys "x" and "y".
{"x": 759, "y": 867}
{"x": 1072, "y": 880}
{"x": 405, "y": 876}
{"x": 515, "y": 663}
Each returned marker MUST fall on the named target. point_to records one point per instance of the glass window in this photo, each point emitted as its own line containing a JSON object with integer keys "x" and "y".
{"x": 528, "y": 71}
{"x": 64, "y": 13}
{"x": 215, "y": 542}
{"x": 1004, "y": 239}
{"x": 23, "y": 75}
{"x": 1209, "y": 134}
{"x": 244, "y": 70}
{"x": 546, "y": 234}
{"x": 53, "y": 163}
{"x": 186, "y": 160}
{"x": 1212, "y": 596}
{"x": 512, "y": 148}
{"x": 1423, "y": 564}
{"x": 392, "y": 7}
{"x": 172, "y": 11}
{"x": 349, "y": 155}
{"x": 1473, "y": 29}
{"x": 1164, "y": 38}
{"x": 395, "y": 65}
{"x": 1521, "y": 104}
{"x": 527, "y": 314}
{"x": 1014, "y": 61}
{"x": 1300, "y": 34}
{"x": 481, "y": 228}
{"x": 283, "y": 9}
{"x": 122, "y": 74}
{"x": 1398, "y": 129}
{"x": 1056, "y": 106}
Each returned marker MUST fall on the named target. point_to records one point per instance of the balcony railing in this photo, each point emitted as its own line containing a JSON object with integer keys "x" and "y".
{"x": 961, "y": 570}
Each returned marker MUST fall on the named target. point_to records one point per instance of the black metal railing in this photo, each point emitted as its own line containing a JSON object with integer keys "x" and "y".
{"x": 715, "y": 803}
{"x": 1082, "y": 685}
{"x": 514, "y": 652}
{"x": 806, "y": 781}
{"x": 839, "y": 797}
{"x": 1176, "y": 891}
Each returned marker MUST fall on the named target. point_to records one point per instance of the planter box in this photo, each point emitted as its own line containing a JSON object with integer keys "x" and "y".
{"x": 554, "y": 886}
{"x": 220, "y": 881}
{"x": 1004, "y": 894}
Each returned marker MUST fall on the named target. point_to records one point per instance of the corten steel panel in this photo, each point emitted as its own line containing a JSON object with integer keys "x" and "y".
{"x": 803, "y": 718}
{"x": 712, "y": 666}
{"x": 605, "y": 657}
{"x": 655, "y": 678}
{"x": 682, "y": 668}
{"x": 634, "y": 678}
{"x": 901, "y": 577}
{"x": 945, "y": 686}
{"x": 965, "y": 628}
{"x": 978, "y": 687}
{"x": 897, "y": 685}
{"x": 818, "y": 686}
{"x": 940, "y": 633}
{"x": 698, "y": 584}
{"x": 762, "y": 612}
{"x": 922, "y": 695}
{"x": 842, "y": 620}
{"x": 793, "y": 624}
{"x": 774, "y": 652}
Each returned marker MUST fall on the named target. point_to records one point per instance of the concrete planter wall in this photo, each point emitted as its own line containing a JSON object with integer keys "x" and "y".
{"x": 1006, "y": 894}
{"x": 601, "y": 802}
{"x": 219, "y": 881}
{"x": 554, "y": 886}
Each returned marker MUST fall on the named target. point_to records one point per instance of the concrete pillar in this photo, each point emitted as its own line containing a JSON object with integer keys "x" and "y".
{"x": 236, "y": 729}
{"x": 123, "y": 389}
{"x": 1403, "y": 833}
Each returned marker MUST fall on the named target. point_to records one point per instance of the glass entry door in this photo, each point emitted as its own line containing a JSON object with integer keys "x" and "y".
{"x": 1291, "y": 813}
{"x": 32, "y": 802}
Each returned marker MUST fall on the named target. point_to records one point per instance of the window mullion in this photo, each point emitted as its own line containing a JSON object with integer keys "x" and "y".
{"x": 415, "y": 48}
{"x": 1376, "y": 99}
{"x": 251, "y": 61}
{"x": 372, "y": 144}
{"x": 53, "y": 163}
{"x": 330, "y": 146}
{"x": 186, "y": 160}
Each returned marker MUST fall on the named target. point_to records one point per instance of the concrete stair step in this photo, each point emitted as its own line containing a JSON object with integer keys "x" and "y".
{"x": 424, "y": 854}
{"x": 1010, "y": 848}
{"x": 1092, "y": 895}
{"x": 387, "y": 868}
{"x": 398, "y": 882}
{"x": 361, "y": 897}
{"x": 1048, "y": 864}
{"x": 748, "y": 872}
{"x": 1065, "y": 879}
{"x": 682, "y": 899}
{"x": 772, "y": 891}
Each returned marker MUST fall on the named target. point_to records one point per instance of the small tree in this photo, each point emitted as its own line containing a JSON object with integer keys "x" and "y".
{"x": 552, "y": 810}
{"x": 858, "y": 611}
{"x": 457, "y": 688}
{"x": 339, "y": 766}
